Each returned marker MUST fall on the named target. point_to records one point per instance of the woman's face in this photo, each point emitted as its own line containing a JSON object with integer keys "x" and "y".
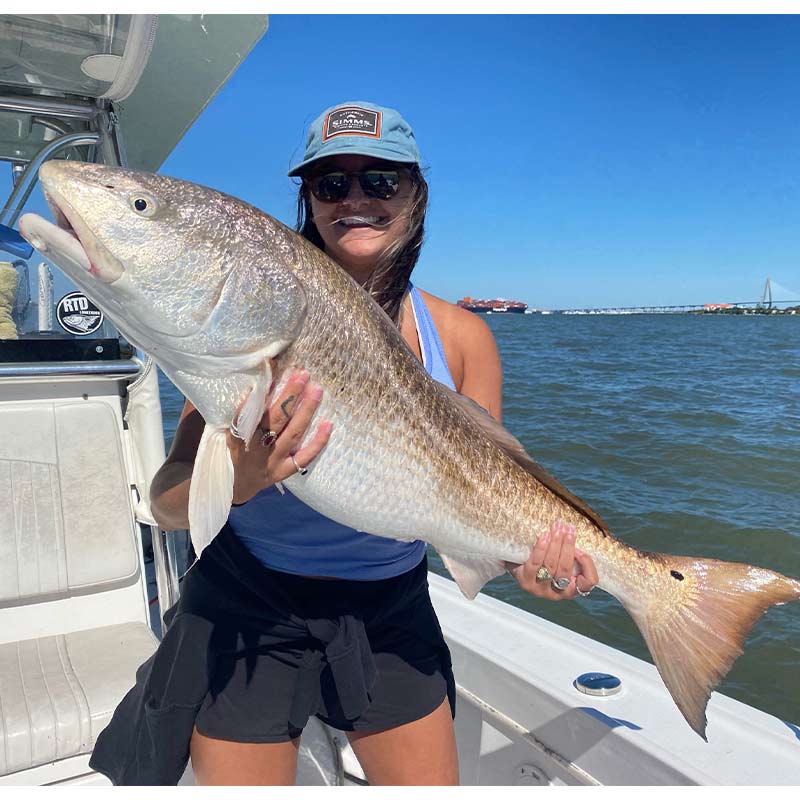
{"x": 358, "y": 228}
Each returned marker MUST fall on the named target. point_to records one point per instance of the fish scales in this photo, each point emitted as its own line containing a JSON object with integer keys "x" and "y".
{"x": 435, "y": 459}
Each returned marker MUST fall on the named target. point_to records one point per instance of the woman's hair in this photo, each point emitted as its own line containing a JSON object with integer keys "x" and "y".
{"x": 388, "y": 284}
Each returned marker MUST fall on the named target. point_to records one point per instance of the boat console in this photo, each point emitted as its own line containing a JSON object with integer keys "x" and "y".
{"x": 80, "y": 418}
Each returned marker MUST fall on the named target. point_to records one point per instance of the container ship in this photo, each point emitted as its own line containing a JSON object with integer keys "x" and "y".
{"x": 498, "y": 306}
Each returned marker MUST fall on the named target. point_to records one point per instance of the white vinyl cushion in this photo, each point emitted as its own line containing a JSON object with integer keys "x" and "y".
{"x": 66, "y": 518}
{"x": 58, "y": 692}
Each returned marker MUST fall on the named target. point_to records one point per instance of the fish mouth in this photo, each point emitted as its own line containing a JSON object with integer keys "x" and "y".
{"x": 68, "y": 240}
{"x": 59, "y": 240}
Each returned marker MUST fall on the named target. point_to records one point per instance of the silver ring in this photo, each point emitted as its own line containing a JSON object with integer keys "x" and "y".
{"x": 543, "y": 574}
{"x": 583, "y": 594}
{"x": 301, "y": 470}
{"x": 559, "y": 584}
{"x": 268, "y": 438}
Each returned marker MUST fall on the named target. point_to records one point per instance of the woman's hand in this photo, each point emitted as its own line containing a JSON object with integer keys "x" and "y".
{"x": 555, "y": 551}
{"x": 268, "y": 457}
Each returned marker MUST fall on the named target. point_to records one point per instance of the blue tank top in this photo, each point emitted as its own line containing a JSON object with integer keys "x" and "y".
{"x": 285, "y": 534}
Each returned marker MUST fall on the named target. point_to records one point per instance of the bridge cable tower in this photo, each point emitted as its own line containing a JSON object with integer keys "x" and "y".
{"x": 766, "y": 295}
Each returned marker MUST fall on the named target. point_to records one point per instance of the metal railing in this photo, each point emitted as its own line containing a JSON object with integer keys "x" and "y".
{"x": 71, "y": 369}
{"x": 69, "y": 109}
{"x": 24, "y": 187}
{"x": 165, "y": 564}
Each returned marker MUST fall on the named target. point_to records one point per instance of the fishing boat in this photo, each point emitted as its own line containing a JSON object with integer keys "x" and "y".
{"x": 81, "y": 436}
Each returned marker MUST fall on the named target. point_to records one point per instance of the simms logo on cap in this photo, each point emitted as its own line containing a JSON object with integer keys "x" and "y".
{"x": 352, "y": 121}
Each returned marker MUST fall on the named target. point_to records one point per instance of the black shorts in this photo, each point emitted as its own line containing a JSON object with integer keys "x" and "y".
{"x": 359, "y": 655}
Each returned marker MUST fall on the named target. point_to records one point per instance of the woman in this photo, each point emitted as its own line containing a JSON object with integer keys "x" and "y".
{"x": 362, "y": 200}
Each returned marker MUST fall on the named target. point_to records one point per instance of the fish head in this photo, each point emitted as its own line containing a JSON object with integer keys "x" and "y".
{"x": 167, "y": 260}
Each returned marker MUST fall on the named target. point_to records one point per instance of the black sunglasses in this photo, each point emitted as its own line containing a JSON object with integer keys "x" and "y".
{"x": 331, "y": 187}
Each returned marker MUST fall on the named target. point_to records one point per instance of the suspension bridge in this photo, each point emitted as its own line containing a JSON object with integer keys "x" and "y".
{"x": 767, "y": 304}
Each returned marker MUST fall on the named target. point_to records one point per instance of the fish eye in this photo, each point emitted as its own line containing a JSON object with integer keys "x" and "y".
{"x": 144, "y": 205}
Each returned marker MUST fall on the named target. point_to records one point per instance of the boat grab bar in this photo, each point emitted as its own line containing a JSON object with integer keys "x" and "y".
{"x": 72, "y": 369}
{"x": 165, "y": 562}
{"x": 16, "y": 202}
{"x": 73, "y": 109}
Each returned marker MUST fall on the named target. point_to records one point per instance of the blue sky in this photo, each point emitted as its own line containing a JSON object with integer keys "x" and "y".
{"x": 572, "y": 160}
{"x": 575, "y": 160}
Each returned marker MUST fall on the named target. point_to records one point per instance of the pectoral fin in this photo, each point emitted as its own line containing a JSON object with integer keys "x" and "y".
{"x": 252, "y": 410}
{"x": 211, "y": 489}
{"x": 471, "y": 573}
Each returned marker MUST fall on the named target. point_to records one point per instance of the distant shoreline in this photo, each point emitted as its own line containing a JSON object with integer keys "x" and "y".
{"x": 622, "y": 312}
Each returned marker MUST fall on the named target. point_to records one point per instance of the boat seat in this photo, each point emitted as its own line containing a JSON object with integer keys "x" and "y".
{"x": 66, "y": 519}
{"x": 73, "y": 599}
{"x": 58, "y": 692}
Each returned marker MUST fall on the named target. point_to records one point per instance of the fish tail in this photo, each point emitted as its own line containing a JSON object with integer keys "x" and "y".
{"x": 211, "y": 488}
{"x": 696, "y": 623}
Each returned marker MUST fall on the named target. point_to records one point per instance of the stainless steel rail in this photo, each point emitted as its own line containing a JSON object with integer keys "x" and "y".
{"x": 73, "y": 109}
{"x": 74, "y": 369}
{"x": 22, "y": 190}
{"x": 61, "y": 128}
{"x": 165, "y": 564}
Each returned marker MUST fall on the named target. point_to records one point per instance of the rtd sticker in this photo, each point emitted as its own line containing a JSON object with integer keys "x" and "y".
{"x": 77, "y": 314}
{"x": 352, "y": 121}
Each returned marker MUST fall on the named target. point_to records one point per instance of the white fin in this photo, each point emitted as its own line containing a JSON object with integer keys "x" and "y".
{"x": 245, "y": 424}
{"x": 471, "y": 572}
{"x": 211, "y": 489}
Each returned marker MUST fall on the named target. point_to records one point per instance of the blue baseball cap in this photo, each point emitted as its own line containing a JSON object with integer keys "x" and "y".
{"x": 362, "y": 129}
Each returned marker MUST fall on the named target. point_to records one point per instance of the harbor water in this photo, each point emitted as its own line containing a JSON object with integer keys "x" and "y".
{"x": 683, "y": 432}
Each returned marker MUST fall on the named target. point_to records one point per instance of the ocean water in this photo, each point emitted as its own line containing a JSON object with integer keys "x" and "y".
{"x": 683, "y": 433}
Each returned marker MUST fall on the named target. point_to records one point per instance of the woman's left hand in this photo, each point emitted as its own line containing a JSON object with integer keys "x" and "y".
{"x": 555, "y": 551}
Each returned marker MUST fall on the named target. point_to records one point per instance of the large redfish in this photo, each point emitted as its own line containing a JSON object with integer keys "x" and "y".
{"x": 214, "y": 289}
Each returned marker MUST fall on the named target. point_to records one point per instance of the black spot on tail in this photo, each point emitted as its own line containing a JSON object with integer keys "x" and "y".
{"x": 675, "y": 574}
